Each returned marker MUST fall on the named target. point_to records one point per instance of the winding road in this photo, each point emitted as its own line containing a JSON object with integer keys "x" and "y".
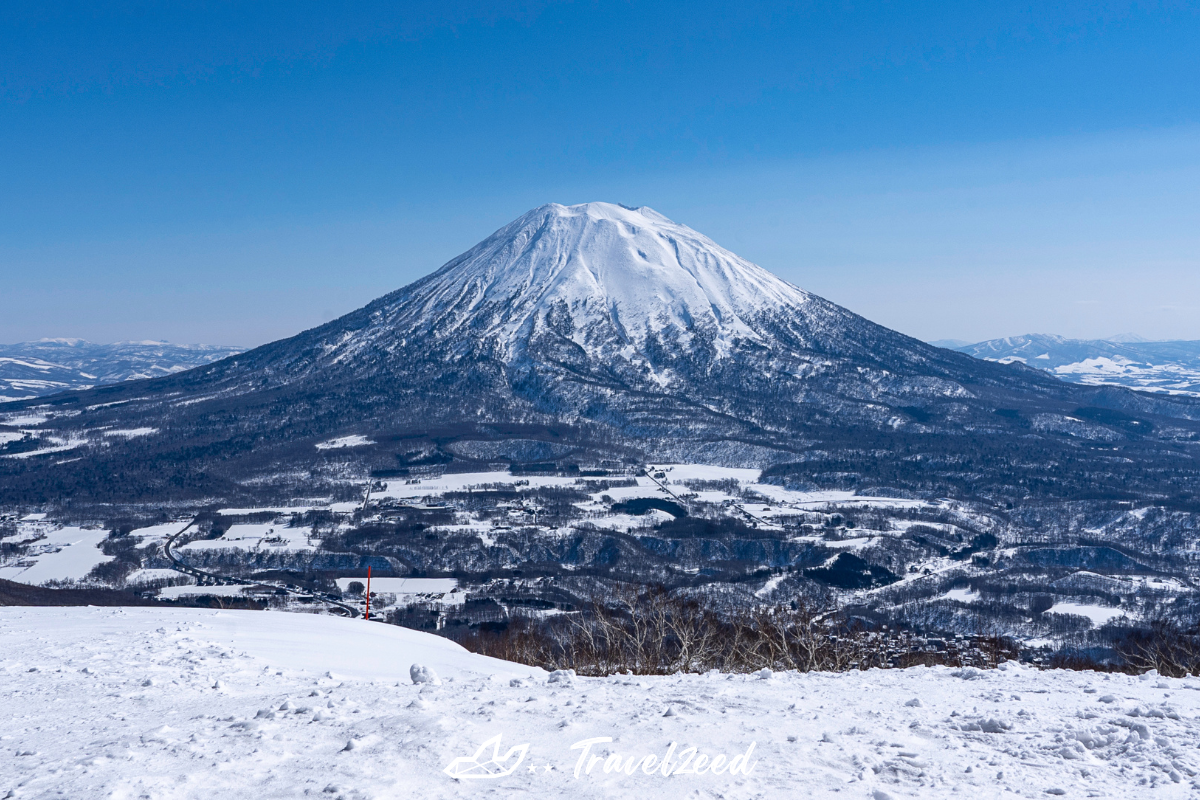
{"x": 204, "y": 578}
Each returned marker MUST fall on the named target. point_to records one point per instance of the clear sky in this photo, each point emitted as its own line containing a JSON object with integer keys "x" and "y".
{"x": 233, "y": 173}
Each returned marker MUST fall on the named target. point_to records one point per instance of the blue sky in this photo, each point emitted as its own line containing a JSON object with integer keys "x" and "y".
{"x": 236, "y": 172}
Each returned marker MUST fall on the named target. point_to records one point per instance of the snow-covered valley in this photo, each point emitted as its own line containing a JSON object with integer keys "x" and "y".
{"x": 453, "y": 551}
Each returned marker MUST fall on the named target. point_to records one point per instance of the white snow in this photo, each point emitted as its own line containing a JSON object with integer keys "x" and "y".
{"x": 56, "y": 448}
{"x": 672, "y": 486}
{"x": 187, "y": 703}
{"x": 1131, "y": 362}
{"x": 401, "y": 592}
{"x": 1099, "y": 615}
{"x": 770, "y": 585}
{"x": 140, "y": 576}
{"x": 19, "y": 420}
{"x": 64, "y": 554}
{"x": 461, "y": 481}
{"x": 403, "y": 585}
{"x": 256, "y": 536}
{"x": 241, "y": 512}
{"x": 175, "y": 592}
{"x": 344, "y": 441}
{"x": 38, "y": 364}
{"x": 158, "y": 533}
{"x": 962, "y": 595}
{"x": 677, "y": 473}
{"x": 1102, "y": 365}
{"x": 621, "y": 274}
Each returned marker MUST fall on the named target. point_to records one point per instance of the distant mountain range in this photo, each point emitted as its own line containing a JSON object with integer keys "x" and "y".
{"x": 1127, "y": 360}
{"x": 34, "y": 369}
{"x": 594, "y": 334}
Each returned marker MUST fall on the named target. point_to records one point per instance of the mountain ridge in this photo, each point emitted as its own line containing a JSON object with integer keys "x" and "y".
{"x": 1170, "y": 367}
{"x": 48, "y": 366}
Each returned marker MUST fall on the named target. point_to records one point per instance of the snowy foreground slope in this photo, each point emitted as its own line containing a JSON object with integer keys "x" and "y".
{"x": 183, "y": 703}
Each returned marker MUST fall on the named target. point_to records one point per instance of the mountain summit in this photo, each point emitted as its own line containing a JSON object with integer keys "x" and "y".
{"x": 594, "y": 282}
{"x": 621, "y": 275}
{"x": 586, "y": 333}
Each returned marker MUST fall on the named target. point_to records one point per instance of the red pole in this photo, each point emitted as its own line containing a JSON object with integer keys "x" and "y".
{"x": 368, "y": 593}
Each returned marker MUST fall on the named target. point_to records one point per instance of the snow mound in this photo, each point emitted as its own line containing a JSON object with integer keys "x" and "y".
{"x": 419, "y": 673}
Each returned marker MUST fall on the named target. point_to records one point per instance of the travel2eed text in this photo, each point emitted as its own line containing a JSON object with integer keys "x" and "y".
{"x": 487, "y": 763}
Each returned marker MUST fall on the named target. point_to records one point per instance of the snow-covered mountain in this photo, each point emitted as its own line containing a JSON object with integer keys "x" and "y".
{"x": 620, "y": 276}
{"x": 569, "y": 298}
{"x": 34, "y": 369}
{"x": 600, "y": 331}
{"x": 1171, "y": 367}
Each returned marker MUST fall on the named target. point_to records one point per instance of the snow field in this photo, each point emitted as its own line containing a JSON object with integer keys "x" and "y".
{"x": 403, "y": 585}
{"x": 1099, "y": 615}
{"x": 390, "y": 593}
{"x": 344, "y": 441}
{"x": 141, "y": 576}
{"x": 614, "y": 268}
{"x": 186, "y": 703}
{"x": 176, "y": 592}
{"x": 64, "y": 554}
{"x": 256, "y": 536}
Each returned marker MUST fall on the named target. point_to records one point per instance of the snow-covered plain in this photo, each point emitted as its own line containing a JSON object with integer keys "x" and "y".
{"x": 56, "y": 554}
{"x": 186, "y": 703}
{"x": 256, "y": 536}
{"x": 1099, "y": 615}
{"x": 403, "y": 585}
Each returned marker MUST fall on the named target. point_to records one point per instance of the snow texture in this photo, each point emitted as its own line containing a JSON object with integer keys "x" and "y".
{"x": 603, "y": 262}
{"x": 187, "y": 703}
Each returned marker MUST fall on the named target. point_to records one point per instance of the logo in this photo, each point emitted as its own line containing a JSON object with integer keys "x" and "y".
{"x": 487, "y": 765}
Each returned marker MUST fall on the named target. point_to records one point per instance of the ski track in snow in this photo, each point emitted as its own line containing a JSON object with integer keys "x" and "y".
{"x": 188, "y": 703}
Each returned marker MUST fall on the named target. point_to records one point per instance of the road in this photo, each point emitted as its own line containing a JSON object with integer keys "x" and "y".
{"x": 755, "y": 521}
{"x": 211, "y": 578}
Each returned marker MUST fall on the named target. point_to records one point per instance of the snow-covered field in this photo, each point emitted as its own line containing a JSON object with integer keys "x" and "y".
{"x": 66, "y": 553}
{"x": 256, "y": 537}
{"x": 183, "y": 703}
{"x": 403, "y": 585}
{"x": 58, "y": 554}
